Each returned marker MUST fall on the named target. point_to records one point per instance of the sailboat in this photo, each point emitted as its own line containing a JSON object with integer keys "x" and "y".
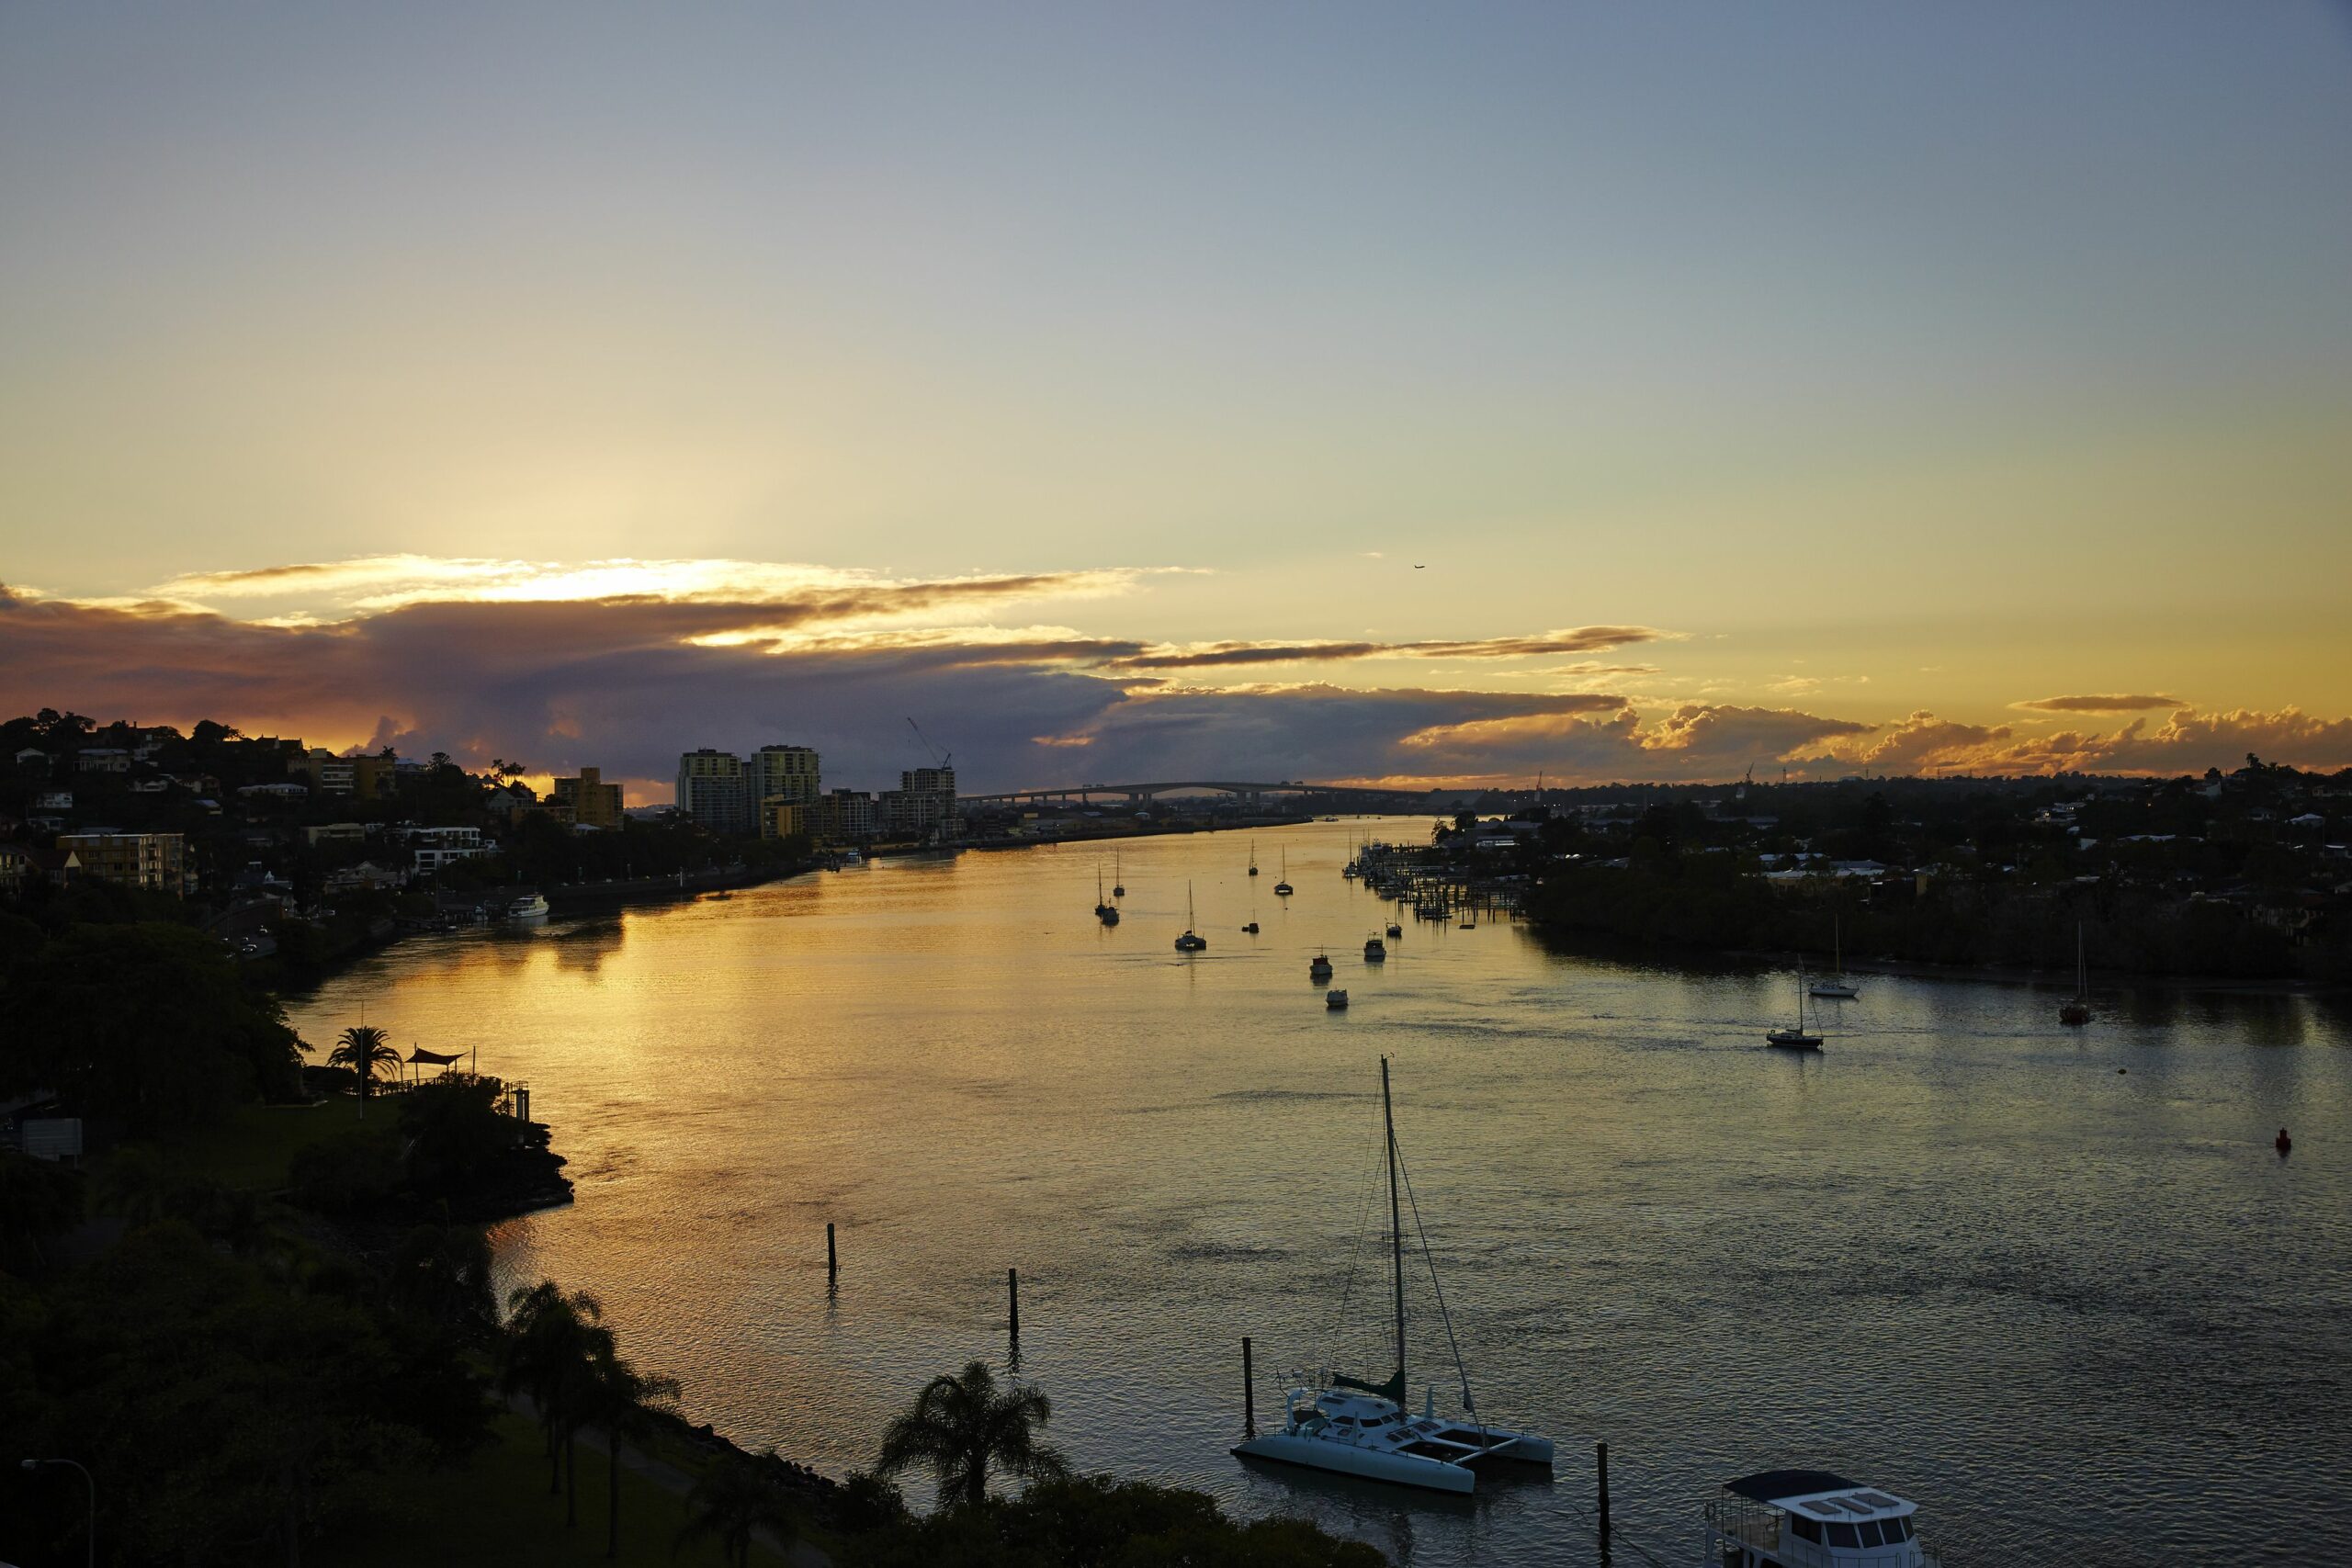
{"x": 2077, "y": 1010}
{"x": 1795, "y": 1038}
{"x": 1353, "y": 1427}
{"x": 1836, "y": 985}
{"x": 1118, "y": 887}
{"x": 1106, "y": 912}
{"x": 1282, "y": 889}
{"x": 1191, "y": 941}
{"x": 1253, "y": 857}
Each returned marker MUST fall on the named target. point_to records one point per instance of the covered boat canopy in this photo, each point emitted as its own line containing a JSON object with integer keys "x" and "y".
{"x": 1772, "y": 1485}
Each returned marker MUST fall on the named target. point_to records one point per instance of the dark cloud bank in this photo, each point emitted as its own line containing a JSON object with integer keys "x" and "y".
{"x": 615, "y": 684}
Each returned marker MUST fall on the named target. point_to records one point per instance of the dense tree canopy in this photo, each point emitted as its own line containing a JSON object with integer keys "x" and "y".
{"x": 150, "y": 1024}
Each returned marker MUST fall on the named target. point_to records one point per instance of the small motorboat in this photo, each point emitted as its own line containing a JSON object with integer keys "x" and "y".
{"x": 1396, "y": 931}
{"x": 1375, "y": 950}
{"x": 1251, "y": 927}
{"x": 1335, "y": 1001}
{"x": 1319, "y": 968}
{"x": 1812, "y": 1518}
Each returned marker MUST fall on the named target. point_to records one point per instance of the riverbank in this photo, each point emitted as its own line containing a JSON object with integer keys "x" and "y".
{"x": 1586, "y": 943}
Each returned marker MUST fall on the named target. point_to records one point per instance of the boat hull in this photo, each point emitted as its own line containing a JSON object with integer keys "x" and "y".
{"x": 1345, "y": 1459}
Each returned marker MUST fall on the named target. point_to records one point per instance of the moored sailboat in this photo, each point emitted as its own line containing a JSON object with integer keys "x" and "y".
{"x": 2076, "y": 1011}
{"x": 1283, "y": 889}
{"x": 1354, "y": 1427}
{"x": 1191, "y": 941}
{"x": 1836, "y": 987}
{"x": 1798, "y": 1038}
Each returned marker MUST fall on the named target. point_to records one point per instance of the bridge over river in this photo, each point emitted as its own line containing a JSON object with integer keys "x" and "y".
{"x": 1288, "y": 792}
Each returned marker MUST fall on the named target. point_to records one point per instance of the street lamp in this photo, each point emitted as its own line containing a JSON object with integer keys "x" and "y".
{"x": 90, "y": 1528}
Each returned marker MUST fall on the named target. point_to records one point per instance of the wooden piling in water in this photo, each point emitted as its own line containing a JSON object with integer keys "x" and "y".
{"x": 833, "y": 1258}
{"x": 1600, "y": 1455}
{"x": 1013, "y": 1288}
{"x": 1248, "y": 1392}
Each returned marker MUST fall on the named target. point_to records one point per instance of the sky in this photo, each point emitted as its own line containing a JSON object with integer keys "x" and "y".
{"x": 1433, "y": 393}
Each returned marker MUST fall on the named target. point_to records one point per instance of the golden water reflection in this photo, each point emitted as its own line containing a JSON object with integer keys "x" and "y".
{"x": 1960, "y": 1254}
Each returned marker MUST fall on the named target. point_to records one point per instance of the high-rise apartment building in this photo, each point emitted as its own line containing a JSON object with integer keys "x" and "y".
{"x": 715, "y": 790}
{"x": 782, "y": 773}
{"x": 923, "y": 806}
{"x": 844, "y": 816}
{"x": 593, "y": 803}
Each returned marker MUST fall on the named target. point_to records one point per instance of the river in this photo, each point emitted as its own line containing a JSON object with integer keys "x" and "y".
{"x": 2053, "y": 1285}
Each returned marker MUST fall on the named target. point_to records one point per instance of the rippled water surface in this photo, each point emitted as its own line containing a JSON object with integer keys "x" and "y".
{"x": 2080, "y": 1315}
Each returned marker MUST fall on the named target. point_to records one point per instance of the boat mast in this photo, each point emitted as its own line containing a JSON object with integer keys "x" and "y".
{"x": 1396, "y": 1231}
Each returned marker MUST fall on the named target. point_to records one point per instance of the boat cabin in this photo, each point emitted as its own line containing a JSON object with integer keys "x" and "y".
{"x": 1809, "y": 1518}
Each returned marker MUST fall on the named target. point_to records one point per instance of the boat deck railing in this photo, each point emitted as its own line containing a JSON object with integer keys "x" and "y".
{"x": 1759, "y": 1527}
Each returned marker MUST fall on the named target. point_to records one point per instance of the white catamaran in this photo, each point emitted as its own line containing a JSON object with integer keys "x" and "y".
{"x": 1361, "y": 1429}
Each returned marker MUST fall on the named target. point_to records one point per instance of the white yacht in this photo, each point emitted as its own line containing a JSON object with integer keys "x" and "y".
{"x": 1809, "y": 1518}
{"x": 528, "y": 904}
{"x": 1361, "y": 1429}
{"x": 1836, "y": 987}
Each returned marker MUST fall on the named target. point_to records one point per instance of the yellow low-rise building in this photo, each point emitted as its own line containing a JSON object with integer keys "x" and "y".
{"x": 154, "y": 861}
{"x": 593, "y": 803}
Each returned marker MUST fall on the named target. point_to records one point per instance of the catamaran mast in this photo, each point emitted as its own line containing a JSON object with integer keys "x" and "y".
{"x": 1396, "y": 1232}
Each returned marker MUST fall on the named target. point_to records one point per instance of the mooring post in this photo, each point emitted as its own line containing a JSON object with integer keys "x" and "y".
{"x": 1600, "y": 1452}
{"x": 1013, "y": 1288}
{"x": 833, "y": 1258}
{"x": 1249, "y": 1393}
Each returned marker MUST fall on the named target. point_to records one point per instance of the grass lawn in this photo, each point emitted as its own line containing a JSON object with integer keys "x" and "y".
{"x": 253, "y": 1146}
{"x": 497, "y": 1511}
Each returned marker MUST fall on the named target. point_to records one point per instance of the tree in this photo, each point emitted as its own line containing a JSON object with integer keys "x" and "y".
{"x": 150, "y": 1023}
{"x": 734, "y": 1500}
{"x": 621, "y": 1400}
{"x": 442, "y": 1274}
{"x": 960, "y": 1427}
{"x": 553, "y": 1343}
{"x": 363, "y": 1049}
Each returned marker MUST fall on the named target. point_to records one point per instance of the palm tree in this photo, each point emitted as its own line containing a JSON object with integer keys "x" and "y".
{"x": 734, "y": 1500}
{"x": 363, "y": 1049}
{"x": 961, "y": 1426}
{"x": 553, "y": 1343}
{"x": 443, "y": 1273}
{"x": 621, "y": 1400}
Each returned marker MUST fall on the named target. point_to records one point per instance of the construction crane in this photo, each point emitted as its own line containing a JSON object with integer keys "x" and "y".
{"x": 942, "y": 761}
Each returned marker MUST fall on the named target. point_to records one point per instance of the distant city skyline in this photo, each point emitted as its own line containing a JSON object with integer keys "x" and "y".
{"x": 1359, "y": 393}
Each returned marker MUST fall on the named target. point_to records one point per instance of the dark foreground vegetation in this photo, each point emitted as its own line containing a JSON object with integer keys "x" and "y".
{"x": 259, "y": 1310}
